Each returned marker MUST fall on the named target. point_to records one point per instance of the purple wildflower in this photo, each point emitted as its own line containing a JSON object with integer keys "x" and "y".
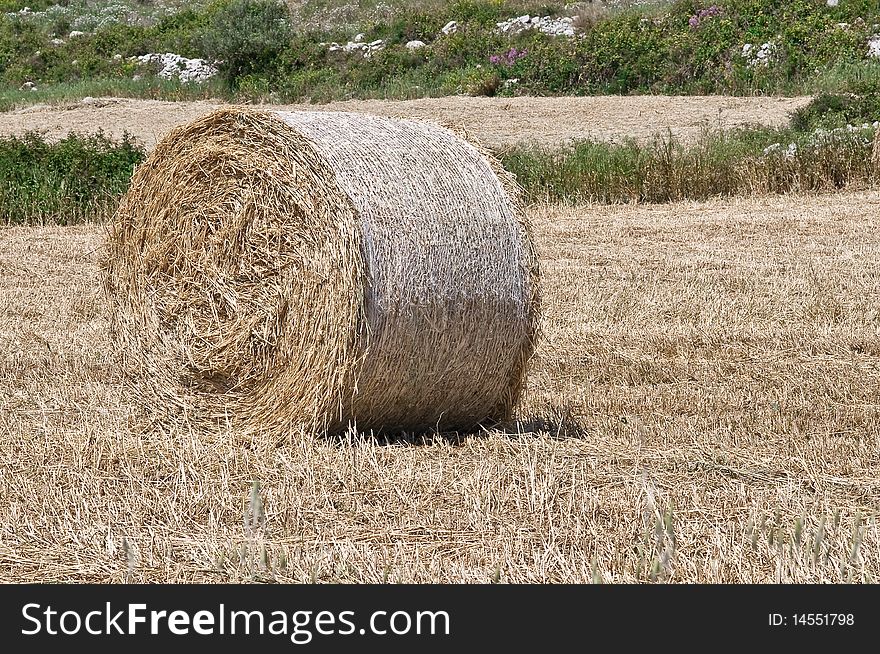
{"x": 708, "y": 12}
{"x": 508, "y": 58}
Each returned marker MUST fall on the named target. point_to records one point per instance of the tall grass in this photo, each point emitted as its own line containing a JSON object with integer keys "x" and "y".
{"x": 150, "y": 88}
{"x": 77, "y": 179}
{"x": 737, "y": 162}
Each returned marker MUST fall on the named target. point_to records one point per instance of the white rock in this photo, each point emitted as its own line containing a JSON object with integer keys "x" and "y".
{"x": 450, "y": 27}
{"x": 375, "y": 46}
{"x": 117, "y": 57}
{"x": 88, "y": 100}
{"x": 874, "y": 46}
{"x": 545, "y": 24}
{"x": 758, "y": 56}
{"x": 57, "y": 41}
{"x": 358, "y": 46}
{"x": 415, "y": 45}
{"x": 174, "y": 66}
{"x": 76, "y": 33}
{"x": 358, "y": 38}
{"x": 831, "y": 3}
{"x": 28, "y": 86}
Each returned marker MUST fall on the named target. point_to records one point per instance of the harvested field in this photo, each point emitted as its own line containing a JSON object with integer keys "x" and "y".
{"x": 497, "y": 122}
{"x": 703, "y": 407}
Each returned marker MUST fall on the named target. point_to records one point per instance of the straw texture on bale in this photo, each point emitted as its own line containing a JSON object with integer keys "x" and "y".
{"x": 276, "y": 270}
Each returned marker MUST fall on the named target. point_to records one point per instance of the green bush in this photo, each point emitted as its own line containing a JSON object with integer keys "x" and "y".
{"x": 75, "y": 179}
{"x": 247, "y": 37}
{"x": 407, "y": 26}
{"x": 33, "y": 5}
{"x": 19, "y": 40}
{"x": 858, "y": 105}
{"x": 469, "y": 46}
{"x": 181, "y": 32}
{"x": 481, "y": 81}
{"x": 622, "y": 55}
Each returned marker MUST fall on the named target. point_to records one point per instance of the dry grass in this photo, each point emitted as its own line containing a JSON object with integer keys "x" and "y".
{"x": 704, "y": 408}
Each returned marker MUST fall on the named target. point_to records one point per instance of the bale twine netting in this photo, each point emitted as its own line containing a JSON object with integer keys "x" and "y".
{"x": 276, "y": 270}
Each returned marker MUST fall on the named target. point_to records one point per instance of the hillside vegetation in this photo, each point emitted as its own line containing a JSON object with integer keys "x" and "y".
{"x": 261, "y": 49}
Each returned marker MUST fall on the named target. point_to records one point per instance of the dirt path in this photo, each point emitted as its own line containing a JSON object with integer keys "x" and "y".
{"x": 498, "y": 122}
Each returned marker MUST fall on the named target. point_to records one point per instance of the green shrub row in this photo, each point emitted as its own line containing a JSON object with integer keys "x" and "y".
{"x": 737, "y": 162}
{"x": 82, "y": 177}
{"x": 76, "y": 179}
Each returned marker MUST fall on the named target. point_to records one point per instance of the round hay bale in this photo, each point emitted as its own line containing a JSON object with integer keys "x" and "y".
{"x": 278, "y": 270}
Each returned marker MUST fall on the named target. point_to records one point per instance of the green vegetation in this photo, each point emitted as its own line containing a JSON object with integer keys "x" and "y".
{"x": 857, "y": 102}
{"x": 247, "y": 36}
{"x": 81, "y": 178}
{"x": 152, "y": 89}
{"x": 265, "y": 52}
{"x": 77, "y": 179}
{"x": 739, "y": 162}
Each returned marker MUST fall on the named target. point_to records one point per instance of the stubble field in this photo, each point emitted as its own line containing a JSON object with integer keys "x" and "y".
{"x": 703, "y": 407}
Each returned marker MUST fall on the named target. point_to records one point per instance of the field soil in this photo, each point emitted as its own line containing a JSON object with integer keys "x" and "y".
{"x": 703, "y": 406}
{"x": 497, "y": 122}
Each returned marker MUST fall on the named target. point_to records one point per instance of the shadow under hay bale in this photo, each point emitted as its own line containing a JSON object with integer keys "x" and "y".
{"x": 275, "y": 270}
